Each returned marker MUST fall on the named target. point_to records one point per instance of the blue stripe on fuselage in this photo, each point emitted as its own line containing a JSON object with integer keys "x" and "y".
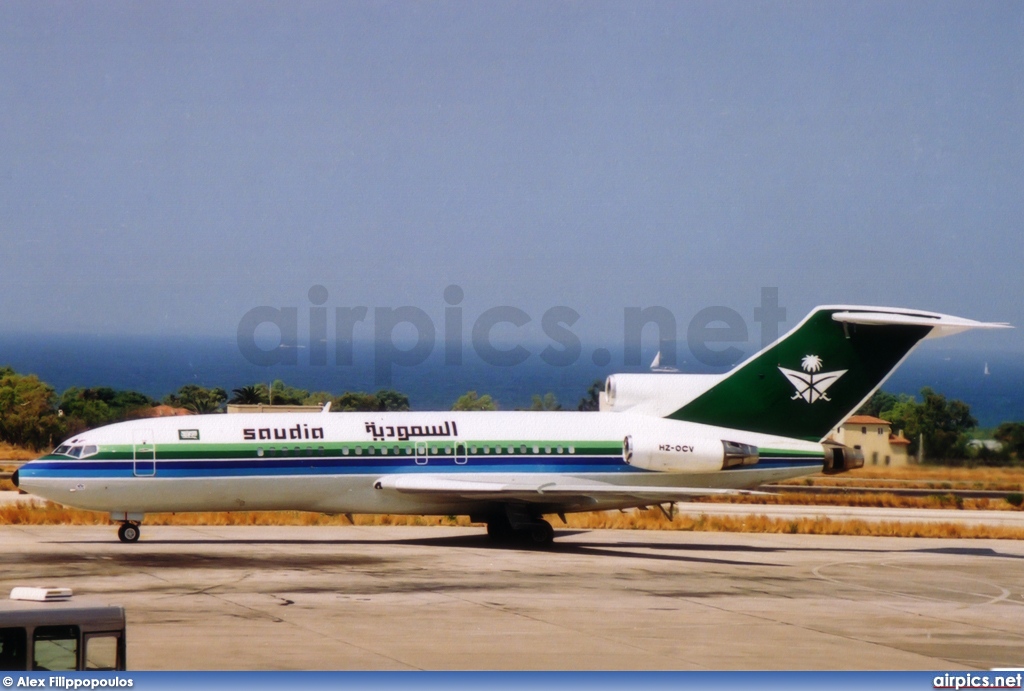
{"x": 363, "y": 465}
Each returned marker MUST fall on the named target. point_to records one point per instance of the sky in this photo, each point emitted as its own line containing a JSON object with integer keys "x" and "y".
{"x": 165, "y": 167}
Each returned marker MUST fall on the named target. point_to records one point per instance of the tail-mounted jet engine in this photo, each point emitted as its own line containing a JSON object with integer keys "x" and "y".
{"x": 839, "y": 458}
{"x": 686, "y": 454}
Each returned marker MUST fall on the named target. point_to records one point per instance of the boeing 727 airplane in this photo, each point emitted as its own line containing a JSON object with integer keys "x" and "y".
{"x": 660, "y": 438}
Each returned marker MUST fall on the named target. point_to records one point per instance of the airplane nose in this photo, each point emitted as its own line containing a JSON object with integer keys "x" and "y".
{"x": 14, "y": 478}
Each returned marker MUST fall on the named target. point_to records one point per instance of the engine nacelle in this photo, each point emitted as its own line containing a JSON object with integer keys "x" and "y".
{"x": 686, "y": 453}
{"x": 655, "y": 394}
{"x": 839, "y": 458}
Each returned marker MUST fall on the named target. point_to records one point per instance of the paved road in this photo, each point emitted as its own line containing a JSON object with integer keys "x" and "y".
{"x": 443, "y": 598}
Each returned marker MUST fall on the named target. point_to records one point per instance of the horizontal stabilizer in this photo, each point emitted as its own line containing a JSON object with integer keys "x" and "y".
{"x": 941, "y": 324}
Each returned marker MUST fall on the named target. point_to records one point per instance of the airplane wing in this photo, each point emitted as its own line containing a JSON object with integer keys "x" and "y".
{"x": 571, "y": 492}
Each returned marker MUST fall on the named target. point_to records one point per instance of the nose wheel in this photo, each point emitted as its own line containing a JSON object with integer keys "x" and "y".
{"x": 128, "y": 532}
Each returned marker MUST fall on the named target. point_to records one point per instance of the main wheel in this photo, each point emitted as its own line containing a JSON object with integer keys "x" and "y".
{"x": 499, "y": 529}
{"x": 541, "y": 533}
{"x": 128, "y": 532}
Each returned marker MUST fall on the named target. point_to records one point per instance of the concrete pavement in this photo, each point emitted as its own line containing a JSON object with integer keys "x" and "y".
{"x": 444, "y": 598}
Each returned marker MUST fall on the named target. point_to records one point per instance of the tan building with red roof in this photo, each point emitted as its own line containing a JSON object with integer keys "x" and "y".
{"x": 874, "y": 437}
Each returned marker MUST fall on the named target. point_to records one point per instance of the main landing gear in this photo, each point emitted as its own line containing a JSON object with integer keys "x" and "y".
{"x": 511, "y": 525}
{"x": 128, "y": 532}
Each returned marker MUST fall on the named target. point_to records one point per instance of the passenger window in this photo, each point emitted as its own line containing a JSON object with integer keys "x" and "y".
{"x": 344, "y": 451}
{"x": 259, "y": 451}
{"x": 55, "y": 648}
{"x": 572, "y": 449}
{"x": 101, "y": 653}
{"x": 359, "y": 451}
{"x": 511, "y": 449}
{"x": 13, "y": 646}
{"x": 522, "y": 449}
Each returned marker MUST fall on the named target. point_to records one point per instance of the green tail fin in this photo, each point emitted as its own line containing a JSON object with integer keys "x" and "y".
{"x": 811, "y": 379}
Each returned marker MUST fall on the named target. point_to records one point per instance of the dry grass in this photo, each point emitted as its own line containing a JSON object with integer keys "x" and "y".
{"x": 655, "y": 520}
{"x": 48, "y": 513}
{"x": 9, "y": 452}
{"x": 885, "y": 500}
{"x": 52, "y": 514}
{"x": 925, "y": 477}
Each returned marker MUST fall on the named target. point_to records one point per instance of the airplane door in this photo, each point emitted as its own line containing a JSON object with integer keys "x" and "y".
{"x": 421, "y": 453}
{"x": 144, "y": 453}
{"x": 461, "y": 457}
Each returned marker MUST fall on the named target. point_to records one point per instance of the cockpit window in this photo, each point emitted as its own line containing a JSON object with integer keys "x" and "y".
{"x": 78, "y": 451}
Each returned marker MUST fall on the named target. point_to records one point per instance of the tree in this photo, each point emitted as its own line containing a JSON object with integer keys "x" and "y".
{"x": 280, "y": 394}
{"x": 471, "y": 401}
{"x": 197, "y": 398}
{"x": 1011, "y": 435}
{"x": 389, "y": 399}
{"x": 881, "y": 400}
{"x": 249, "y": 395}
{"x": 28, "y": 414}
{"x": 86, "y": 408}
{"x": 383, "y": 400}
{"x": 355, "y": 401}
{"x": 943, "y": 423}
{"x": 592, "y": 401}
{"x": 547, "y": 402}
{"x": 319, "y": 398}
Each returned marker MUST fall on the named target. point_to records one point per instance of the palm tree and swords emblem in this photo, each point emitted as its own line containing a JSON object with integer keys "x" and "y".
{"x": 812, "y": 383}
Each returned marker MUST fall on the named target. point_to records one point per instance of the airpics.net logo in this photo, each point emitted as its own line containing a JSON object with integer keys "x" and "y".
{"x": 407, "y": 336}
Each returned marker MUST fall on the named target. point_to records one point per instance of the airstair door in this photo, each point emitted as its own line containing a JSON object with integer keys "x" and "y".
{"x": 144, "y": 453}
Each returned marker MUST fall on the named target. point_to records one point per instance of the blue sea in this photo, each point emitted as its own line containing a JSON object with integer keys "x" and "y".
{"x": 158, "y": 366}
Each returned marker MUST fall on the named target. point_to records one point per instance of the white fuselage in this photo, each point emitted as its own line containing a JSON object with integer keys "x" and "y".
{"x": 331, "y": 462}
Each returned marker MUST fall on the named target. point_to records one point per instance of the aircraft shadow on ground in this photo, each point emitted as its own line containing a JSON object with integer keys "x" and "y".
{"x": 681, "y": 551}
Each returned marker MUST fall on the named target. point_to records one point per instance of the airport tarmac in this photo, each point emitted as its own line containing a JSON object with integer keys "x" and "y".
{"x": 444, "y": 598}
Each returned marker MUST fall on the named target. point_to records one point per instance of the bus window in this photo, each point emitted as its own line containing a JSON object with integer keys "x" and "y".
{"x": 101, "y": 652}
{"x": 55, "y": 648}
{"x": 12, "y": 649}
